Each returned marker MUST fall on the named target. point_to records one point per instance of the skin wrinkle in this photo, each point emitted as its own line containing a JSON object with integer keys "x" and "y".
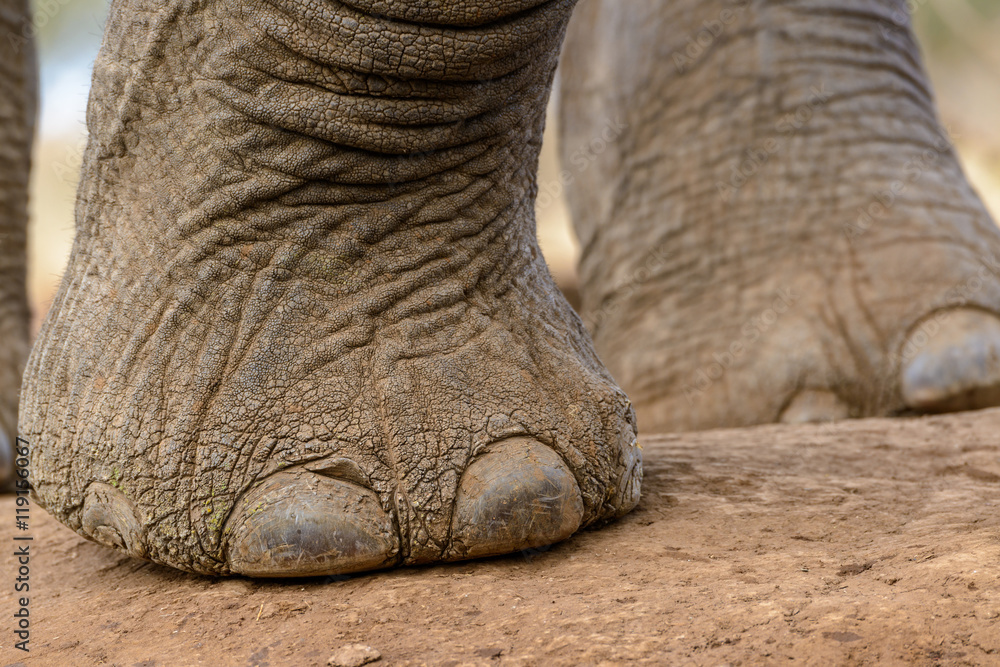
{"x": 442, "y": 12}
{"x": 268, "y": 294}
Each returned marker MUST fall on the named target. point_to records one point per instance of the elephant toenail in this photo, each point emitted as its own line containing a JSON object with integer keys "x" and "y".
{"x": 951, "y": 362}
{"x": 111, "y": 519}
{"x": 518, "y": 495}
{"x": 300, "y": 524}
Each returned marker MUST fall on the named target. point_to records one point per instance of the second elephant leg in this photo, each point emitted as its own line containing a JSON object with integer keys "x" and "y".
{"x": 17, "y": 111}
{"x": 769, "y": 204}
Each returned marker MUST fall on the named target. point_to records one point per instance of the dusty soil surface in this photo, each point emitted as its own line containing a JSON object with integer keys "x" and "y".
{"x": 867, "y": 542}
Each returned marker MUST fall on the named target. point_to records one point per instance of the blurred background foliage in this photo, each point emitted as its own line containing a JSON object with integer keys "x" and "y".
{"x": 959, "y": 39}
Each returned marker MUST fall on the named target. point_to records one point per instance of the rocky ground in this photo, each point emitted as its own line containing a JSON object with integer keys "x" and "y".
{"x": 870, "y": 542}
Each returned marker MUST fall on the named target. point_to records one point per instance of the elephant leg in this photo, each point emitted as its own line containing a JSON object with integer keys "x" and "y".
{"x": 17, "y": 120}
{"x": 774, "y": 223}
{"x": 306, "y": 328}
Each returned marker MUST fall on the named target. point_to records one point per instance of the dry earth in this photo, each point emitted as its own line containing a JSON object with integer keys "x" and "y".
{"x": 860, "y": 543}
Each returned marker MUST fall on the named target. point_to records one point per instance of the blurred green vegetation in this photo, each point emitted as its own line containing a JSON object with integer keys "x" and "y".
{"x": 77, "y": 24}
{"x": 950, "y": 28}
{"x": 931, "y": 18}
{"x": 936, "y": 22}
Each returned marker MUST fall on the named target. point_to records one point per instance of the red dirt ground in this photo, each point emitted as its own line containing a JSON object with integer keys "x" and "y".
{"x": 871, "y": 542}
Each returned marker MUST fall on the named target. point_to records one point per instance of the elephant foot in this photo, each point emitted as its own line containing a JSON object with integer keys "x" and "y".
{"x": 306, "y": 328}
{"x": 791, "y": 241}
{"x": 835, "y": 343}
{"x": 319, "y": 448}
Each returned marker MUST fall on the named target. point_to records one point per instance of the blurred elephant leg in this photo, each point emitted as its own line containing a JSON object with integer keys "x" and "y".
{"x": 17, "y": 118}
{"x": 774, "y": 224}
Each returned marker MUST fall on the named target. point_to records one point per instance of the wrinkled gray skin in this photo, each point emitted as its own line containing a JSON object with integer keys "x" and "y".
{"x": 306, "y": 328}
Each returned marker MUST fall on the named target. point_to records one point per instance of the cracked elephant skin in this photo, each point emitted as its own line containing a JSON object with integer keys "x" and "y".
{"x": 306, "y": 328}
